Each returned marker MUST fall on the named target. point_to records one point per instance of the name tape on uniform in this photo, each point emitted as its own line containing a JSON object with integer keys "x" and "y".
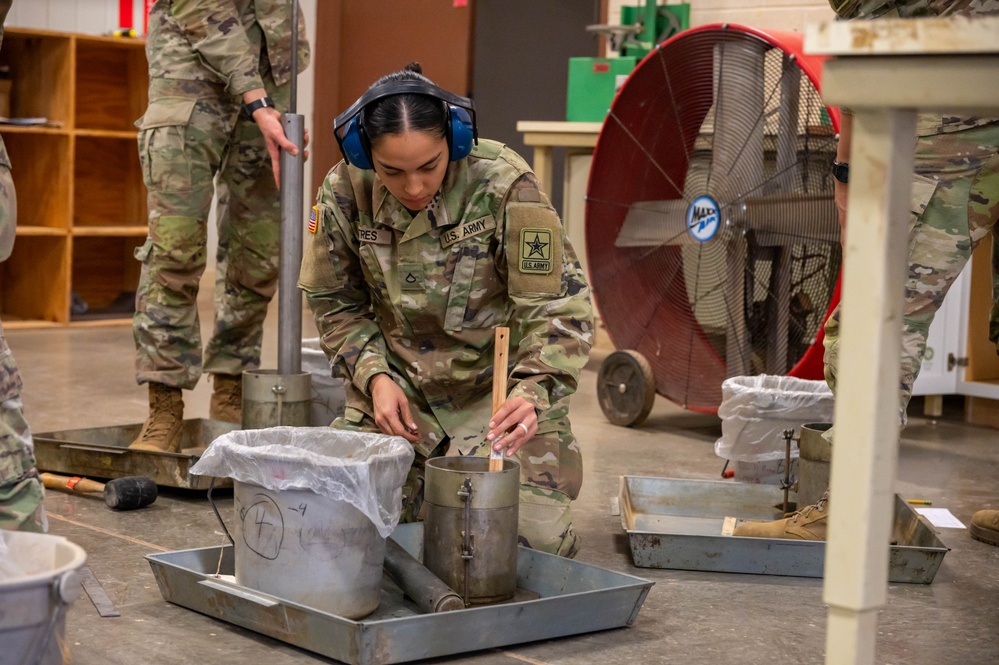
{"x": 376, "y": 236}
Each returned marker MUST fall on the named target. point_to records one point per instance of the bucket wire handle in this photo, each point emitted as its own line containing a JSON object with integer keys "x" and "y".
{"x": 211, "y": 486}
{"x": 467, "y": 543}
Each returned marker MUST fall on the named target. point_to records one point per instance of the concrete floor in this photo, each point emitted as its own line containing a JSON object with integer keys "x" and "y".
{"x": 83, "y": 378}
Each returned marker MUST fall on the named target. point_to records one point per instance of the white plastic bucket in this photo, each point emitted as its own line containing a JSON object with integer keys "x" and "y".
{"x": 33, "y": 605}
{"x": 308, "y": 549}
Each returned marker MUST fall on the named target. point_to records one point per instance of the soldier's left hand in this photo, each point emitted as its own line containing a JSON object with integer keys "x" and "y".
{"x": 512, "y": 425}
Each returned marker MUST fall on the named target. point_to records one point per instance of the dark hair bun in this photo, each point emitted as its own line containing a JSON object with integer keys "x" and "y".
{"x": 414, "y": 67}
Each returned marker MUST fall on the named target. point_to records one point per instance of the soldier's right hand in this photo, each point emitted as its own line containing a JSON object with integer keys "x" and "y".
{"x": 392, "y": 413}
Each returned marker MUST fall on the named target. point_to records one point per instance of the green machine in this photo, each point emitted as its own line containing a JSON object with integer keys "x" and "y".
{"x": 593, "y": 82}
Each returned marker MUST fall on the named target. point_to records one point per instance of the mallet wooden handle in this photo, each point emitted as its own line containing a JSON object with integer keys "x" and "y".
{"x": 73, "y": 483}
{"x": 501, "y": 352}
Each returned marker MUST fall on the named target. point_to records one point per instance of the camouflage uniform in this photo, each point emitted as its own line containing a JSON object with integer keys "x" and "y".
{"x": 955, "y": 199}
{"x": 20, "y": 487}
{"x": 418, "y": 298}
{"x": 203, "y": 55}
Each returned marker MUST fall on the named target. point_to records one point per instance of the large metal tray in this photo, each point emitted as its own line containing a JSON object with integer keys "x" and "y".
{"x": 677, "y": 524}
{"x": 574, "y": 598}
{"x": 102, "y": 452}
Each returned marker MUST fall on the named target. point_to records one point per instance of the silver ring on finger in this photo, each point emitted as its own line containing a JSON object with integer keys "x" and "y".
{"x": 527, "y": 432}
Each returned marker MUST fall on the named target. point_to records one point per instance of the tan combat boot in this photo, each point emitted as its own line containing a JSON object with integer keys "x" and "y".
{"x": 809, "y": 523}
{"x": 985, "y": 526}
{"x": 162, "y": 429}
{"x": 227, "y": 398}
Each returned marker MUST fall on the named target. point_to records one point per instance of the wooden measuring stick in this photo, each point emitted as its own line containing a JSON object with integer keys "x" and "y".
{"x": 501, "y": 350}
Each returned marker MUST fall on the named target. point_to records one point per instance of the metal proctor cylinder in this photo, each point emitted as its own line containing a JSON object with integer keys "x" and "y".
{"x": 289, "y": 296}
{"x": 470, "y": 526}
{"x": 814, "y": 457}
{"x": 271, "y": 399}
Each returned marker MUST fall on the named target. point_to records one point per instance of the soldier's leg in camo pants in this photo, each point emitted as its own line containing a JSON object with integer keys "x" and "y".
{"x": 20, "y": 487}
{"x": 550, "y": 476}
{"x": 948, "y": 221}
{"x": 249, "y": 226}
{"x": 181, "y": 148}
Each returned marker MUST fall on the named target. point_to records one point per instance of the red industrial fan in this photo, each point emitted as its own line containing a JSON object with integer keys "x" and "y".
{"x": 711, "y": 233}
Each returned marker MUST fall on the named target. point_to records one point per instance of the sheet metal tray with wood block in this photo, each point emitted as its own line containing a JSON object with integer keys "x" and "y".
{"x": 102, "y": 452}
{"x": 571, "y": 598}
{"x": 677, "y": 524}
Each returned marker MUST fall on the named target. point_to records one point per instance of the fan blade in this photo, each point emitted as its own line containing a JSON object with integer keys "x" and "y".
{"x": 737, "y": 344}
{"x": 788, "y": 179}
{"x": 737, "y": 145}
{"x": 814, "y": 219}
{"x": 654, "y": 223}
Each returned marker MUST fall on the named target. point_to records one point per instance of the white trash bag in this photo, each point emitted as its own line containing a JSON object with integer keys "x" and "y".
{"x": 755, "y": 411}
{"x": 365, "y": 470}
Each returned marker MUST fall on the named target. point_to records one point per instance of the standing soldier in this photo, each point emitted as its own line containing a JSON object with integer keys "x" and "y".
{"x": 219, "y": 71}
{"x": 955, "y": 204}
{"x": 20, "y": 486}
{"x": 421, "y": 245}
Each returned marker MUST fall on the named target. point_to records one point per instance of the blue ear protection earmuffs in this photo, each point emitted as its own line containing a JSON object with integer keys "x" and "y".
{"x": 461, "y": 132}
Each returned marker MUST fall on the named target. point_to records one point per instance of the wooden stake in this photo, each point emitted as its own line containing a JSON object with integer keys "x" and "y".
{"x": 501, "y": 351}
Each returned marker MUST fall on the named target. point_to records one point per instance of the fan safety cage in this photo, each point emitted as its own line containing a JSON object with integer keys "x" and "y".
{"x": 711, "y": 232}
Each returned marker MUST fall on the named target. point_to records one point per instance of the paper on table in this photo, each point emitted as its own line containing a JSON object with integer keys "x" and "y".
{"x": 940, "y": 517}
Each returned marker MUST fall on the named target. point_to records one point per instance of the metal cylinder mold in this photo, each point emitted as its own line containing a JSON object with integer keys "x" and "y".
{"x": 814, "y": 457}
{"x": 470, "y": 527}
{"x": 271, "y": 399}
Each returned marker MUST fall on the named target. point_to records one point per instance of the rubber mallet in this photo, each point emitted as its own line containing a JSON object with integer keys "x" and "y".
{"x": 126, "y": 493}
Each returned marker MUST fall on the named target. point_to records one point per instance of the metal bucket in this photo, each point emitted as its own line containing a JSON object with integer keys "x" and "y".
{"x": 33, "y": 605}
{"x": 814, "y": 456}
{"x": 470, "y": 526}
{"x": 308, "y": 549}
{"x": 271, "y": 399}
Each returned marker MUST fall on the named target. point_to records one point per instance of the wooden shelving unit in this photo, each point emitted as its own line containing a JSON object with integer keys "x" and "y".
{"x": 81, "y": 199}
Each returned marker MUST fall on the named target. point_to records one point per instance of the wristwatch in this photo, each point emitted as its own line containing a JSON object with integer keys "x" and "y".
{"x": 263, "y": 102}
{"x": 841, "y": 171}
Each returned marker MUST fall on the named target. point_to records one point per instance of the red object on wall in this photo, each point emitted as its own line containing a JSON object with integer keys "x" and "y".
{"x": 125, "y": 14}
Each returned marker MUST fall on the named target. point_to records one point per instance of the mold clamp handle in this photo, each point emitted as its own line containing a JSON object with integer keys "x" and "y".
{"x": 501, "y": 351}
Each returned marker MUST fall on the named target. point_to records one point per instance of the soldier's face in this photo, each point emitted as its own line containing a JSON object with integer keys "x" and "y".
{"x": 412, "y": 166}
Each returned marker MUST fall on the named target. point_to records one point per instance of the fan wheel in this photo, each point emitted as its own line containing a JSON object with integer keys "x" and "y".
{"x": 626, "y": 388}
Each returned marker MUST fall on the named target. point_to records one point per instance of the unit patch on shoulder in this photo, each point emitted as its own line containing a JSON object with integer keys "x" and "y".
{"x": 533, "y": 249}
{"x": 536, "y": 251}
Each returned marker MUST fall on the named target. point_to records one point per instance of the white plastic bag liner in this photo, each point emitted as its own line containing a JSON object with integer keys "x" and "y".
{"x": 328, "y": 395}
{"x": 365, "y": 470}
{"x": 755, "y": 411}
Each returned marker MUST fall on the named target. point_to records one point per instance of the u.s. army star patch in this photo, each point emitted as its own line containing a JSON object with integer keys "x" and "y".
{"x": 536, "y": 251}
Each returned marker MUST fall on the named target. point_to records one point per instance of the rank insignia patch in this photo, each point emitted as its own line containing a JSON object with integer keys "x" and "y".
{"x": 536, "y": 251}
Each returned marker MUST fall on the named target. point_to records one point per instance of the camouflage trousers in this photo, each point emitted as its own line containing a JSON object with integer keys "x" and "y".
{"x": 20, "y": 487}
{"x": 191, "y": 134}
{"x": 951, "y": 213}
{"x": 545, "y": 516}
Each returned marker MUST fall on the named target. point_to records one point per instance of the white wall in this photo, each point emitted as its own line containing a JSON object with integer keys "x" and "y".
{"x": 772, "y": 14}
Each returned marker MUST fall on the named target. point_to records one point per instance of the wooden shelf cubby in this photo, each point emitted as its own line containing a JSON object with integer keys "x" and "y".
{"x": 81, "y": 198}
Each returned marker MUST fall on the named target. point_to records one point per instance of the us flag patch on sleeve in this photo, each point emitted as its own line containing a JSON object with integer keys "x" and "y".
{"x": 313, "y": 217}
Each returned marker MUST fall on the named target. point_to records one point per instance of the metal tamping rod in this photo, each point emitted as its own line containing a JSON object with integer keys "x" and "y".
{"x": 292, "y": 186}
